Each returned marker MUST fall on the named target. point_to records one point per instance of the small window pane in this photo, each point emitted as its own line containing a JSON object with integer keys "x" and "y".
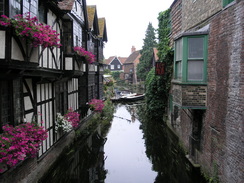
{"x": 178, "y": 70}
{"x": 178, "y": 49}
{"x": 195, "y": 47}
{"x": 195, "y": 70}
{"x": 14, "y": 8}
{"x": 111, "y": 66}
{"x": 118, "y": 66}
{"x": 2, "y": 7}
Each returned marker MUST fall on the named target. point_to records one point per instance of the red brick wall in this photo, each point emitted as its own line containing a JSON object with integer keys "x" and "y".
{"x": 223, "y": 127}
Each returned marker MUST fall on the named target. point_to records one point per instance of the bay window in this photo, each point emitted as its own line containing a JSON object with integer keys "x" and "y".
{"x": 191, "y": 59}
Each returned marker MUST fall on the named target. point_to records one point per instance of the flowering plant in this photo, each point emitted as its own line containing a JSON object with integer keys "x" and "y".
{"x": 62, "y": 123}
{"x": 16, "y": 143}
{"x": 82, "y": 52}
{"x": 29, "y": 29}
{"x": 68, "y": 121}
{"x": 73, "y": 117}
{"x": 96, "y": 105}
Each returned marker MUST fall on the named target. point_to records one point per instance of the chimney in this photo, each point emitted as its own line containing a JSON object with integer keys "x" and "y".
{"x": 133, "y": 49}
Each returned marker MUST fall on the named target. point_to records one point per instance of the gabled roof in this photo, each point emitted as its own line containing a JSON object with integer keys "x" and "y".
{"x": 92, "y": 17}
{"x": 66, "y": 5}
{"x": 110, "y": 59}
{"x": 133, "y": 57}
{"x": 102, "y": 29}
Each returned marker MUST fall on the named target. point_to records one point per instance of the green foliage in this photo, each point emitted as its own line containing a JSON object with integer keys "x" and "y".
{"x": 116, "y": 75}
{"x": 157, "y": 87}
{"x": 163, "y": 34}
{"x": 145, "y": 64}
{"x": 154, "y": 98}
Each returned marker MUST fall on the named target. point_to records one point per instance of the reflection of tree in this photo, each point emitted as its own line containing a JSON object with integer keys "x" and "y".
{"x": 162, "y": 148}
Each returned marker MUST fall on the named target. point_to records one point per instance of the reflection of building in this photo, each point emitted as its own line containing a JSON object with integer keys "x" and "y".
{"x": 207, "y": 100}
{"x": 83, "y": 162}
{"x": 130, "y": 66}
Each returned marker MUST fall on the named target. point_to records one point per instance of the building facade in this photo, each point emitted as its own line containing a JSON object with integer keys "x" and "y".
{"x": 206, "y": 106}
{"x": 38, "y": 82}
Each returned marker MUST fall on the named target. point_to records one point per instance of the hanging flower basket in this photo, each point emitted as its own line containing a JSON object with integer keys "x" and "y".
{"x": 96, "y": 105}
{"x": 67, "y": 122}
{"x": 89, "y": 57}
{"x": 35, "y": 33}
{"x": 20, "y": 142}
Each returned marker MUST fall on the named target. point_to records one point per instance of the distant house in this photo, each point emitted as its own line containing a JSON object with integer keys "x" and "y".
{"x": 130, "y": 66}
{"x": 115, "y": 63}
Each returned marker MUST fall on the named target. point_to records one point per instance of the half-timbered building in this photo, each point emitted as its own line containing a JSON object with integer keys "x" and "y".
{"x": 38, "y": 82}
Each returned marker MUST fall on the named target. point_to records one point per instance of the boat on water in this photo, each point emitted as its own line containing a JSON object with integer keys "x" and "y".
{"x": 127, "y": 97}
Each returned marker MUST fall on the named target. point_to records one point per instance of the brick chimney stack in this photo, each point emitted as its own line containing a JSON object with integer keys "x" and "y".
{"x": 133, "y": 49}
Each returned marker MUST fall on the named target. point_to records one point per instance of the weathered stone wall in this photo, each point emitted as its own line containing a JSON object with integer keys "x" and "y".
{"x": 176, "y": 20}
{"x": 195, "y": 12}
{"x": 223, "y": 131}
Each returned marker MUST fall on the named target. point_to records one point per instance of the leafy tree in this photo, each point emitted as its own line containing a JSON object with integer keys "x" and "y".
{"x": 145, "y": 64}
{"x": 157, "y": 87}
{"x": 116, "y": 75}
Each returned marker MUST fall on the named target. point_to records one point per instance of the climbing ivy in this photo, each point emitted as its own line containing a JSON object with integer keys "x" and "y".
{"x": 157, "y": 87}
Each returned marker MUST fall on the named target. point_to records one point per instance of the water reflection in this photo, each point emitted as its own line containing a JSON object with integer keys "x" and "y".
{"x": 136, "y": 151}
{"x": 125, "y": 150}
{"x": 166, "y": 154}
{"x": 83, "y": 163}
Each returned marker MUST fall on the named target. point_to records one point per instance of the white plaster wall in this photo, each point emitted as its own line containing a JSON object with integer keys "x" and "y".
{"x": 68, "y": 63}
{"x": 16, "y": 53}
{"x": 2, "y": 45}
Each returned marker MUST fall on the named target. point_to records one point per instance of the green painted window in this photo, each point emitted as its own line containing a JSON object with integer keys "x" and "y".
{"x": 226, "y": 2}
{"x": 178, "y": 58}
{"x": 191, "y": 59}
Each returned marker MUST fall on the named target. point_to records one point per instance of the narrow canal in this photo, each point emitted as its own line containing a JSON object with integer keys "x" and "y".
{"x": 131, "y": 152}
{"x": 125, "y": 150}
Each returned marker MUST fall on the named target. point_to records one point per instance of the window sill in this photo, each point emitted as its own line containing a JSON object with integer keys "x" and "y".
{"x": 178, "y": 82}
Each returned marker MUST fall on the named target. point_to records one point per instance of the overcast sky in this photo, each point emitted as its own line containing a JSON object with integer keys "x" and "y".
{"x": 127, "y": 21}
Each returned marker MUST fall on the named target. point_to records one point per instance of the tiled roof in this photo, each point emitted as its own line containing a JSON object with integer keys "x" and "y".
{"x": 122, "y": 59}
{"x": 91, "y": 10}
{"x": 133, "y": 57}
{"x": 102, "y": 29}
{"x": 110, "y": 59}
{"x": 66, "y": 4}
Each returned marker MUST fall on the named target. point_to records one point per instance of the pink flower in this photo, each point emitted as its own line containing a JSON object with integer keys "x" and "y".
{"x": 29, "y": 29}
{"x": 82, "y": 52}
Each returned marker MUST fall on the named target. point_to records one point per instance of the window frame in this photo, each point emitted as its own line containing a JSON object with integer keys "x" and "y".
{"x": 185, "y": 59}
{"x": 226, "y": 2}
{"x": 25, "y": 6}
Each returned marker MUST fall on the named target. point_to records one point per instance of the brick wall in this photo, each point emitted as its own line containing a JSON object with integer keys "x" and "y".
{"x": 194, "y": 12}
{"x": 176, "y": 20}
{"x": 223, "y": 130}
{"x": 189, "y": 95}
{"x": 194, "y": 95}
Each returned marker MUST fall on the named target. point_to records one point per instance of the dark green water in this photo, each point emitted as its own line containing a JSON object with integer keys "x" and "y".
{"x": 133, "y": 151}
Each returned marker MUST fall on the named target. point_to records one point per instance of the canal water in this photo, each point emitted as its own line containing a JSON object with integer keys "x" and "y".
{"x": 125, "y": 150}
{"x": 131, "y": 152}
